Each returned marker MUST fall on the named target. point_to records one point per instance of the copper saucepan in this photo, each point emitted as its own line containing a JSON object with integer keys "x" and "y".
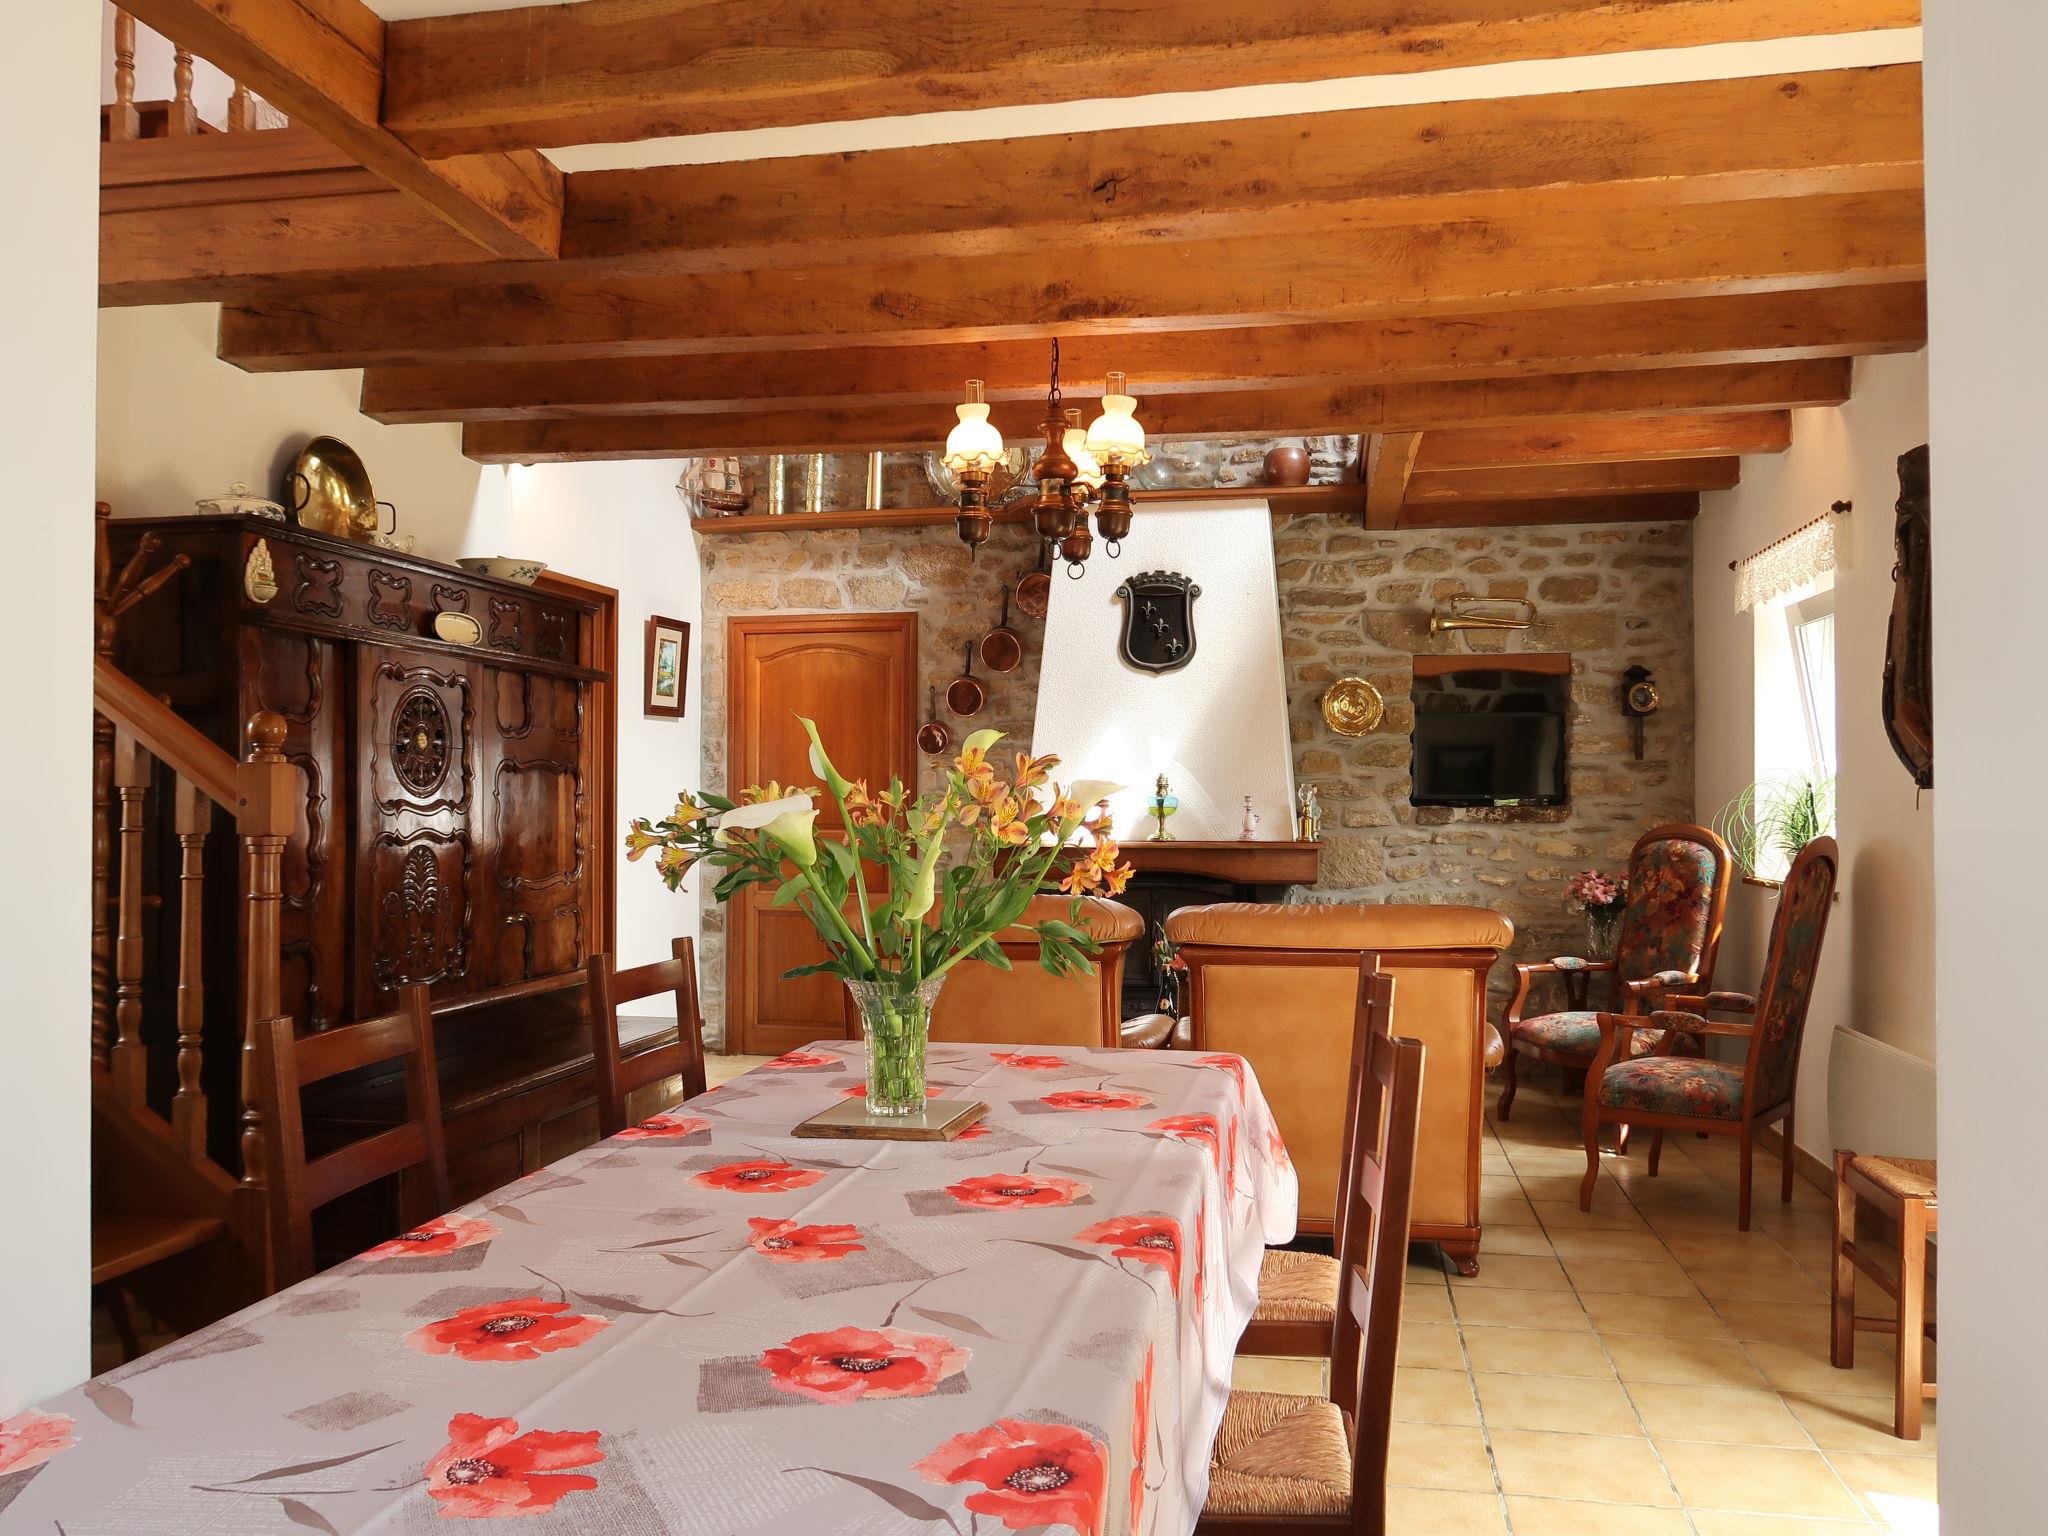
{"x": 1034, "y": 590}
{"x": 965, "y": 694}
{"x": 1002, "y": 648}
{"x": 934, "y": 736}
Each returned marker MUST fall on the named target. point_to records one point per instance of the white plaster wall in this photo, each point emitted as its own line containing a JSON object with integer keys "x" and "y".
{"x": 1877, "y": 975}
{"x": 46, "y": 428}
{"x": 1217, "y": 727}
{"x": 1987, "y": 226}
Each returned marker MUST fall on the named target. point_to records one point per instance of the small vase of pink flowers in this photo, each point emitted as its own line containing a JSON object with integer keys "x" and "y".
{"x": 1601, "y": 898}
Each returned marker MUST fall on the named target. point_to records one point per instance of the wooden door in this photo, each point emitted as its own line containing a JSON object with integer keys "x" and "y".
{"x": 856, "y": 675}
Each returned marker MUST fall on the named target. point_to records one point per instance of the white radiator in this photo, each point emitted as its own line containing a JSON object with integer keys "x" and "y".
{"x": 1880, "y": 1098}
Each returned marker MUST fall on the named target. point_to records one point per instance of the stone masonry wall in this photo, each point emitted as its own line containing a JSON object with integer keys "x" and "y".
{"x": 1352, "y": 603}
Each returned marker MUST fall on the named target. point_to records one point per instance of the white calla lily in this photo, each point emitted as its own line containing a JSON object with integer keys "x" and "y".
{"x": 792, "y": 833}
{"x": 821, "y": 765}
{"x": 1088, "y": 792}
{"x": 981, "y": 741}
{"x": 752, "y": 818}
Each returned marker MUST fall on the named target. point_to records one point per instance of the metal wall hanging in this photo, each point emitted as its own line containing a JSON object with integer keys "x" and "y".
{"x": 1353, "y": 707}
{"x": 1159, "y": 620}
{"x": 1909, "y": 643}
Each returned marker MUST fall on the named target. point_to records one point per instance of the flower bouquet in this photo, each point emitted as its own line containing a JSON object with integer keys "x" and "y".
{"x": 1601, "y": 898}
{"x": 894, "y": 945}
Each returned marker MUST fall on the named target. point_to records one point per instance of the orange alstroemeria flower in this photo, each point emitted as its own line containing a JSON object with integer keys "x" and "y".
{"x": 1032, "y": 771}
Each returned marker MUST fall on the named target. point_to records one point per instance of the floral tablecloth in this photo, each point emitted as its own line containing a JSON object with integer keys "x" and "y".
{"x": 705, "y": 1325}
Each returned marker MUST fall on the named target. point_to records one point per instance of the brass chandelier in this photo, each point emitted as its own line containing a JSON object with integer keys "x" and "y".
{"x": 1074, "y": 469}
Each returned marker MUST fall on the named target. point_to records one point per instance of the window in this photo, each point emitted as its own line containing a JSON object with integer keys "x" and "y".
{"x": 1793, "y": 796}
{"x": 1812, "y": 626}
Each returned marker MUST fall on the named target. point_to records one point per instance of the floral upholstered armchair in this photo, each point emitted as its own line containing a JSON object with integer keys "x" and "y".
{"x": 1666, "y": 1090}
{"x": 1670, "y": 930}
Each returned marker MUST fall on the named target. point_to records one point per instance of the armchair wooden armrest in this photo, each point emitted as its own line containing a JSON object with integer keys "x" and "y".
{"x": 1618, "y": 1031}
{"x": 1527, "y": 971}
{"x": 1647, "y": 990}
{"x": 1711, "y": 1002}
{"x": 1674, "y": 1024}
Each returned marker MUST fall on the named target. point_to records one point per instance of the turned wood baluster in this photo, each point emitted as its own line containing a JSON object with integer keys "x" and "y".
{"x": 194, "y": 819}
{"x": 123, "y": 122}
{"x": 130, "y": 1062}
{"x": 241, "y": 109}
{"x": 264, "y": 822}
{"x": 184, "y": 117}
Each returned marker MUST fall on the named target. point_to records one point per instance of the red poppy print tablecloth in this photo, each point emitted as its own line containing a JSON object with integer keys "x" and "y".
{"x": 704, "y": 1325}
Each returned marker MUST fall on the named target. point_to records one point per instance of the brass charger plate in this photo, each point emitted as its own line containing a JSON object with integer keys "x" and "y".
{"x": 849, "y": 1120}
{"x": 1353, "y": 707}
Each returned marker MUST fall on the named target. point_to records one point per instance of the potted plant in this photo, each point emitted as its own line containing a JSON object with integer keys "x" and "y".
{"x": 1601, "y": 898}
{"x": 894, "y": 947}
{"x": 1770, "y": 820}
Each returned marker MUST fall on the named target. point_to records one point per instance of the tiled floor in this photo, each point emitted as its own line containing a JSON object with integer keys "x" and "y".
{"x": 1645, "y": 1370}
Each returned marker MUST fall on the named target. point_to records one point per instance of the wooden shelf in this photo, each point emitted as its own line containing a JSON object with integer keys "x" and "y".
{"x": 1347, "y": 500}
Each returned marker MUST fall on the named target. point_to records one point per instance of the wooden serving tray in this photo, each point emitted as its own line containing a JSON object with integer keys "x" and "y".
{"x": 849, "y": 1120}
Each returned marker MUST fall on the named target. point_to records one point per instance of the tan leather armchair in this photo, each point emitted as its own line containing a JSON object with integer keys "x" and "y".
{"x": 1278, "y": 985}
{"x": 1028, "y": 1005}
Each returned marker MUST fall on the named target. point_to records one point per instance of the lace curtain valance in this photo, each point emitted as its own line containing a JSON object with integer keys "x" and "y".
{"x": 1791, "y": 562}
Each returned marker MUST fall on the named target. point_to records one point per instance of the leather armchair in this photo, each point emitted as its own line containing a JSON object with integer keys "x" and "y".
{"x": 1028, "y": 1005}
{"x": 1278, "y": 985}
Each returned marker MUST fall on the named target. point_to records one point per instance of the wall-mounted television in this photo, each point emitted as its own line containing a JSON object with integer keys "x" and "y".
{"x": 1490, "y": 730}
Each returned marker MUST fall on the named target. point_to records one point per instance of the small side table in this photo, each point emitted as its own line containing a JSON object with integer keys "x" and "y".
{"x": 1903, "y": 1189}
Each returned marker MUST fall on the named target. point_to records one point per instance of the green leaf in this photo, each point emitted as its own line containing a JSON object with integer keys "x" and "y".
{"x": 788, "y": 891}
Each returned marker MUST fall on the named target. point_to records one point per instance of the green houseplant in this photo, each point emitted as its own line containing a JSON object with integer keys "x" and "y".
{"x": 893, "y": 946}
{"x": 1770, "y": 820}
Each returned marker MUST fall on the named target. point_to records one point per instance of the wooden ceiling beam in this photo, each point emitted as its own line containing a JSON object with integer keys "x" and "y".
{"x": 1400, "y": 408}
{"x": 1389, "y": 465}
{"x": 323, "y": 61}
{"x": 1549, "y": 482}
{"x": 1760, "y": 327}
{"x": 1669, "y": 506}
{"x": 617, "y": 70}
{"x": 1484, "y": 265}
{"x": 1718, "y": 435}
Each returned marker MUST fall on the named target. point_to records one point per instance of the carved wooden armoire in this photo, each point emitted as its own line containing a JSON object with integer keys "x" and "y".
{"x": 452, "y": 825}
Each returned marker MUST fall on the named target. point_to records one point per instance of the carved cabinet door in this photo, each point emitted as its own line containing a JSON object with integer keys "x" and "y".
{"x": 416, "y": 772}
{"x": 533, "y": 821}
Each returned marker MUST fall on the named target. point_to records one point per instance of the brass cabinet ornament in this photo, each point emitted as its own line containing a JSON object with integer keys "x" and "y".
{"x": 1353, "y": 707}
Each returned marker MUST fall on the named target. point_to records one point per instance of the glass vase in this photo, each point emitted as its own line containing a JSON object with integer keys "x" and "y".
{"x": 1603, "y": 929}
{"x": 895, "y": 1017}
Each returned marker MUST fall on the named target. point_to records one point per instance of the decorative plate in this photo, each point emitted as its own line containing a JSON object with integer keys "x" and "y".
{"x": 1353, "y": 707}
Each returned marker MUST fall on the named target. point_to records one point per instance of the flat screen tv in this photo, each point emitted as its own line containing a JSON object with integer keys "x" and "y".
{"x": 1491, "y": 730}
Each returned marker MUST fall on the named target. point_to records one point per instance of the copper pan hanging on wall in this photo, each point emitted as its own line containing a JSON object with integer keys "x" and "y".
{"x": 965, "y": 695}
{"x": 1002, "y": 648}
{"x": 934, "y": 736}
{"x": 1034, "y": 589}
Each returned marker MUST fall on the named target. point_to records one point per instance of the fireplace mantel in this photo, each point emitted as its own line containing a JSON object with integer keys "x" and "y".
{"x": 1243, "y": 863}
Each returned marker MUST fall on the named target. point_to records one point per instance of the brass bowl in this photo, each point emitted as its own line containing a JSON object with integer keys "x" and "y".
{"x": 1353, "y": 707}
{"x": 329, "y": 490}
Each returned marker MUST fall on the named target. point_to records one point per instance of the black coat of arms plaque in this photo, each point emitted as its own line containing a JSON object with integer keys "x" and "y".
{"x": 1159, "y": 620}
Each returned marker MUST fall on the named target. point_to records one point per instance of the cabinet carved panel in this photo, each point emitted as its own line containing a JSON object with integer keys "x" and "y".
{"x": 420, "y": 894}
{"x": 419, "y": 721}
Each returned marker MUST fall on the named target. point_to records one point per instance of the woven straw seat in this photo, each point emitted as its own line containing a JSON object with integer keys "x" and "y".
{"x": 1910, "y": 1178}
{"x": 1297, "y": 1288}
{"x": 1277, "y": 1454}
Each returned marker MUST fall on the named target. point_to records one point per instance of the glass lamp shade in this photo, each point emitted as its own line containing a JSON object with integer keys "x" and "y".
{"x": 1115, "y": 437}
{"x": 1087, "y": 473}
{"x": 974, "y": 445}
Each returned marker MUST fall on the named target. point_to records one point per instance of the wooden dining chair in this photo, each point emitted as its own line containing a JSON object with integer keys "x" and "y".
{"x": 1666, "y": 1091}
{"x": 619, "y": 1074}
{"x": 1297, "y": 1309}
{"x": 1283, "y": 1463}
{"x": 298, "y": 1184}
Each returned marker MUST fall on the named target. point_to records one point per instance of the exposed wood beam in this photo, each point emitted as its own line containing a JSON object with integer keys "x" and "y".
{"x": 1671, "y": 506}
{"x": 1712, "y": 141}
{"x": 1718, "y": 435}
{"x": 1371, "y": 408}
{"x": 323, "y": 62}
{"x": 1548, "y": 482}
{"x": 1486, "y": 264}
{"x": 1760, "y": 327}
{"x": 1389, "y": 462}
{"x": 613, "y": 70}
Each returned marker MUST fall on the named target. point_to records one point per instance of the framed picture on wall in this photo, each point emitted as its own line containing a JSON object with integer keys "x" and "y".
{"x": 668, "y": 667}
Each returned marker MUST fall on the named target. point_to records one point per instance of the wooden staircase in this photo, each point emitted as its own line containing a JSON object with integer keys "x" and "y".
{"x": 180, "y": 1193}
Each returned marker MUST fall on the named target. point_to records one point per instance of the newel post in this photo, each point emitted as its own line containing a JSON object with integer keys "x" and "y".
{"x": 263, "y": 821}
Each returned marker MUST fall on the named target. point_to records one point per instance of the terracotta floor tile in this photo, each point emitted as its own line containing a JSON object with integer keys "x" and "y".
{"x": 1426, "y": 1303}
{"x": 1758, "y": 1480}
{"x": 1784, "y": 1282}
{"x": 1860, "y": 1425}
{"x": 1630, "y": 1246}
{"x": 1506, "y": 1212}
{"x": 1426, "y": 1396}
{"x": 1724, "y": 1415}
{"x": 1432, "y": 1345}
{"x": 1719, "y": 1523}
{"x": 1536, "y": 1352}
{"x": 1608, "y": 1215}
{"x": 1520, "y": 1309}
{"x": 1429, "y": 1512}
{"x": 1514, "y": 1272}
{"x": 1664, "y": 1316}
{"x": 1602, "y": 1469}
{"x": 1526, "y": 1240}
{"x": 1572, "y": 1517}
{"x": 1879, "y": 1481}
{"x": 1568, "y": 1404}
{"x": 1805, "y": 1368}
{"x": 1623, "y": 1277}
{"x": 1779, "y": 1322}
{"x": 1443, "y": 1456}
{"x": 1682, "y": 1362}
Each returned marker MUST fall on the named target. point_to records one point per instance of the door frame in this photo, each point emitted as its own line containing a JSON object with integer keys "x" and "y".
{"x": 600, "y": 652}
{"x": 741, "y": 625}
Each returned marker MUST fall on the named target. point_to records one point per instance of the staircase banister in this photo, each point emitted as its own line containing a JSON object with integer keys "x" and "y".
{"x": 169, "y": 738}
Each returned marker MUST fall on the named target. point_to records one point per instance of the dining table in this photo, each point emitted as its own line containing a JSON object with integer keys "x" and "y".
{"x": 705, "y": 1325}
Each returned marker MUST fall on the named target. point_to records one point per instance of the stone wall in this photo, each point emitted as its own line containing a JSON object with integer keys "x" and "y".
{"x": 1352, "y": 602}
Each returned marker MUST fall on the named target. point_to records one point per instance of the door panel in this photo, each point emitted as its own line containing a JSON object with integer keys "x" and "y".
{"x": 856, "y": 675}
